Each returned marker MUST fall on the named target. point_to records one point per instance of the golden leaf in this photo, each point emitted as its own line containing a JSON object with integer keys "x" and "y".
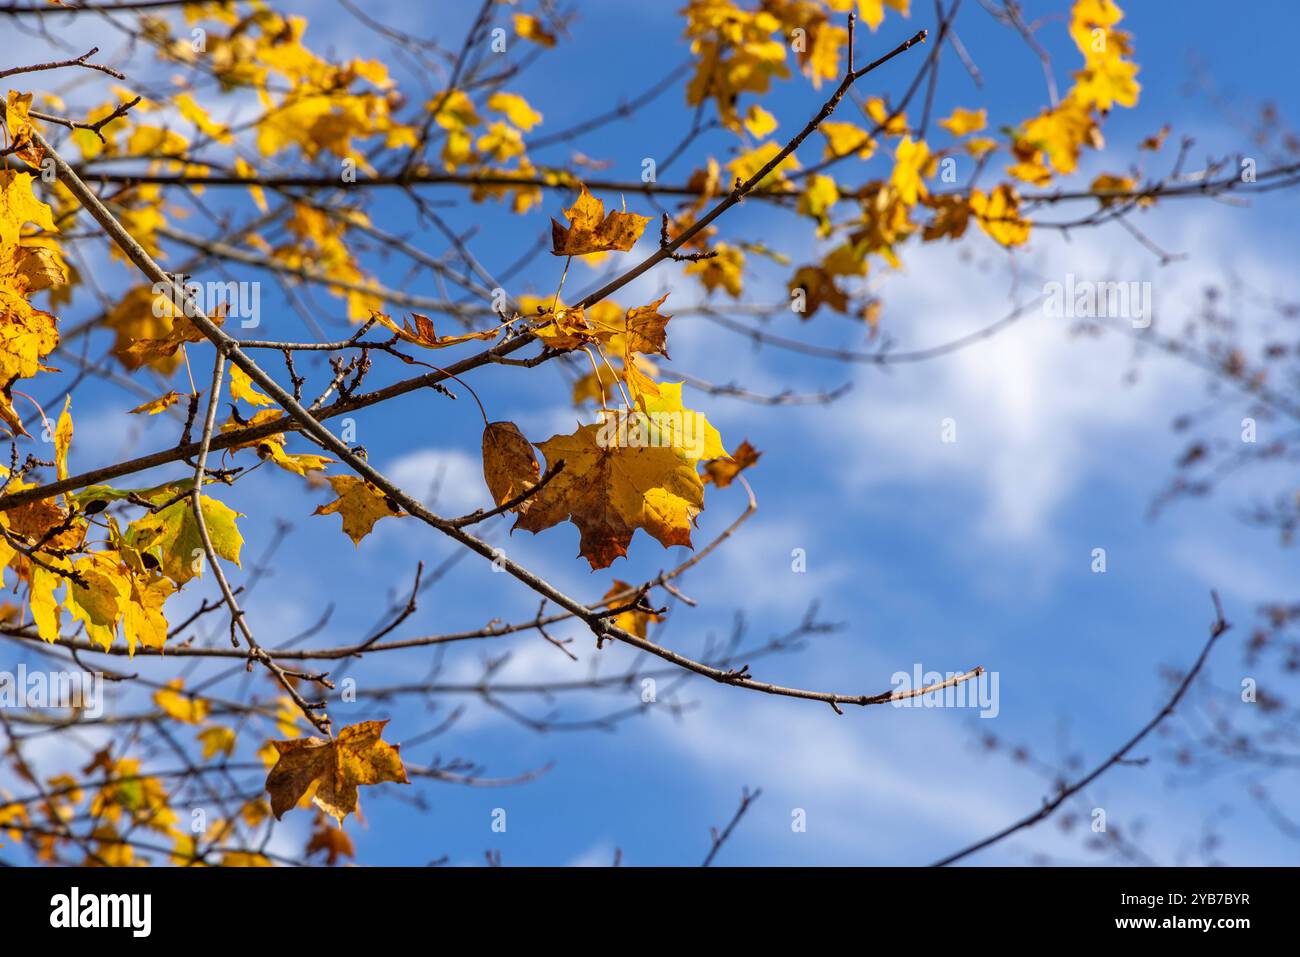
{"x": 359, "y": 503}
{"x": 963, "y": 121}
{"x": 509, "y": 465}
{"x": 609, "y": 489}
{"x": 590, "y": 230}
{"x": 182, "y": 707}
{"x": 423, "y": 334}
{"x": 633, "y": 620}
{"x": 722, "y": 472}
{"x": 154, "y": 406}
{"x": 358, "y": 756}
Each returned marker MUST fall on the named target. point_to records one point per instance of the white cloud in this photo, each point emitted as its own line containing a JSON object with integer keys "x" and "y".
{"x": 1033, "y": 404}
{"x": 446, "y": 479}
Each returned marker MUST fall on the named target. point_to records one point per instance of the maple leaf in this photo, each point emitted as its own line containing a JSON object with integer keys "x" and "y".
{"x": 216, "y": 739}
{"x": 568, "y": 329}
{"x": 183, "y": 707}
{"x": 844, "y": 139}
{"x": 359, "y": 503}
{"x": 142, "y": 616}
{"x": 516, "y": 110}
{"x": 688, "y": 433}
{"x": 530, "y": 28}
{"x": 591, "y": 231}
{"x": 16, "y": 115}
{"x": 609, "y": 490}
{"x": 509, "y": 465}
{"x": 333, "y": 842}
{"x": 998, "y": 214}
{"x": 758, "y": 122}
{"x": 155, "y": 351}
{"x": 722, "y": 472}
{"x": 358, "y": 756}
{"x": 722, "y": 271}
{"x": 748, "y": 165}
{"x": 634, "y": 620}
{"x": 951, "y": 216}
{"x": 172, "y": 535}
{"x": 27, "y": 334}
{"x": 819, "y": 289}
{"x": 242, "y": 388}
{"x": 300, "y": 463}
{"x": 819, "y": 195}
{"x": 154, "y": 406}
{"x": 19, "y": 205}
{"x": 963, "y": 121}
{"x": 142, "y": 315}
{"x": 1108, "y": 182}
{"x": 910, "y": 162}
{"x": 423, "y": 334}
{"x": 98, "y": 598}
{"x": 645, "y": 329}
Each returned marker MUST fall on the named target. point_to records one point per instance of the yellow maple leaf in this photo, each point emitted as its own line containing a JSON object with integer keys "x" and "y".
{"x": 154, "y": 406}
{"x": 843, "y": 139}
{"x": 358, "y": 756}
{"x": 516, "y": 109}
{"x": 216, "y": 739}
{"x": 910, "y": 162}
{"x": 242, "y": 388}
{"x": 530, "y": 28}
{"x": 723, "y": 271}
{"x": 998, "y": 214}
{"x": 590, "y": 230}
{"x": 422, "y": 332}
{"x": 63, "y": 439}
{"x": 359, "y": 503}
{"x": 183, "y": 707}
{"x": 610, "y": 489}
{"x": 1109, "y": 183}
{"x": 99, "y": 599}
{"x": 27, "y": 265}
{"x": 963, "y": 121}
{"x": 759, "y": 122}
{"x": 142, "y": 614}
{"x": 634, "y": 620}
{"x": 172, "y": 535}
{"x": 300, "y": 463}
{"x": 748, "y": 165}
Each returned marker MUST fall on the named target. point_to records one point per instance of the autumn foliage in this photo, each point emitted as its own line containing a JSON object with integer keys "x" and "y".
{"x": 100, "y": 562}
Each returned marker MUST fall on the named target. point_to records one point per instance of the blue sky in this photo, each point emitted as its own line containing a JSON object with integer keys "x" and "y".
{"x": 942, "y": 555}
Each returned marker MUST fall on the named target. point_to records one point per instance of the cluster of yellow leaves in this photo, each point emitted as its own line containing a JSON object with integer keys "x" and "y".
{"x": 122, "y": 798}
{"x": 496, "y": 145}
{"x": 29, "y": 263}
{"x": 1044, "y": 146}
{"x": 738, "y": 50}
{"x": 321, "y": 247}
{"x": 120, "y": 584}
{"x": 309, "y": 103}
{"x": 1051, "y": 142}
